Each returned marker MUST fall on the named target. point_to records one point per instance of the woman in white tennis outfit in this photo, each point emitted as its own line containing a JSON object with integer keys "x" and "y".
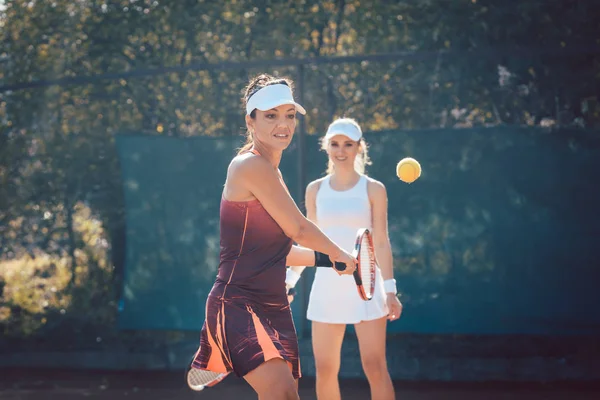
{"x": 341, "y": 203}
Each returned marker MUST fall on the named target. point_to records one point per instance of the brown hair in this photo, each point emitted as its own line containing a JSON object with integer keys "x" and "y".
{"x": 362, "y": 158}
{"x": 255, "y": 84}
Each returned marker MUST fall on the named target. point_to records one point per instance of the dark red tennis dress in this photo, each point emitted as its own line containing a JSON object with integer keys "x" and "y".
{"x": 248, "y": 316}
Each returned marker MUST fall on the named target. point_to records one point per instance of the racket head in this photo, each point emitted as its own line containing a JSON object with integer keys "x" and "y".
{"x": 198, "y": 379}
{"x": 364, "y": 275}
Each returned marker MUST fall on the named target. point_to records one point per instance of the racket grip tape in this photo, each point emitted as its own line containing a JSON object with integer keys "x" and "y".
{"x": 322, "y": 260}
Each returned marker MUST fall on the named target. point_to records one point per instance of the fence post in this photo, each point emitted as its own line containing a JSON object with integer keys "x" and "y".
{"x": 301, "y": 140}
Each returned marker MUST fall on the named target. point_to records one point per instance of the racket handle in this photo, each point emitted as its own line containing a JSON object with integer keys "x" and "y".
{"x": 322, "y": 260}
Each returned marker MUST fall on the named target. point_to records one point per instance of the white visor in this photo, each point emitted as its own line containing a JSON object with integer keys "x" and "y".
{"x": 272, "y": 96}
{"x": 344, "y": 127}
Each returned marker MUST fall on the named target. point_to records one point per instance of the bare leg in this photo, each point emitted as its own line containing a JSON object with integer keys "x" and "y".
{"x": 371, "y": 342}
{"x": 273, "y": 380}
{"x": 327, "y": 347}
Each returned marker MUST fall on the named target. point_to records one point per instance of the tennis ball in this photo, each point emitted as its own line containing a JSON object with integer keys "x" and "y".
{"x": 408, "y": 170}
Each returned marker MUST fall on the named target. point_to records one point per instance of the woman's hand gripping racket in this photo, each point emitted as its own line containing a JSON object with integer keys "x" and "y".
{"x": 364, "y": 253}
{"x": 198, "y": 379}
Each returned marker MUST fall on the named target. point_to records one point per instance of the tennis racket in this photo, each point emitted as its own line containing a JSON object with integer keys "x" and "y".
{"x": 198, "y": 379}
{"x": 364, "y": 252}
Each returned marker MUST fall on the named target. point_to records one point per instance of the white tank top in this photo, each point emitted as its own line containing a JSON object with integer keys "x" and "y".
{"x": 340, "y": 214}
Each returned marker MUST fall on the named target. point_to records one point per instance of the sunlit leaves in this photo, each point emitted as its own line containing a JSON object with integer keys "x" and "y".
{"x": 467, "y": 63}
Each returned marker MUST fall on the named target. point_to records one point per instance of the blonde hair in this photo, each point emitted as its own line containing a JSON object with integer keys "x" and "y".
{"x": 255, "y": 84}
{"x": 362, "y": 158}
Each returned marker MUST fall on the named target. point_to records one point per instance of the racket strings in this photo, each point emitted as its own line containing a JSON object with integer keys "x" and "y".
{"x": 200, "y": 377}
{"x": 367, "y": 261}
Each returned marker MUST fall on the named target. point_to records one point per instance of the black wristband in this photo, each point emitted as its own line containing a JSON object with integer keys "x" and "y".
{"x": 322, "y": 260}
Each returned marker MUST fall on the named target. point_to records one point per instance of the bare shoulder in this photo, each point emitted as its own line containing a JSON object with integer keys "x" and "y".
{"x": 313, "y": 187}
{"x": 248, "y": 164}
{"x": 375, "y": 188}
{"x": 245, "y": 173}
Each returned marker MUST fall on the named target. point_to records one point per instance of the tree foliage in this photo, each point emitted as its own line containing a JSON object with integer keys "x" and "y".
{"x": 464, "y": 63}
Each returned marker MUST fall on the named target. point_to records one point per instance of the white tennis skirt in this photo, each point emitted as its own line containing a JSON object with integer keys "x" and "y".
{"x": 334, "y": 299}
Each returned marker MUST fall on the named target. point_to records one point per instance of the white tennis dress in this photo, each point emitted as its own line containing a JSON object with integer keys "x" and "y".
{"x": 333, "y": 298}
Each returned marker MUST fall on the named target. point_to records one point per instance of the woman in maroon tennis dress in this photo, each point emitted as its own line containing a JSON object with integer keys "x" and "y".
{"x": 249, "y": 327}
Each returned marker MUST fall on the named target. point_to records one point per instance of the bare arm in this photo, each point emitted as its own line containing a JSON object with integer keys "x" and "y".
{"x": 383, "y": 248}
{"x": 310, "y": 201}
{"x": 261, "y": 179}
{"x": 310, "y": 197}
{"x": 300, "y": 258}
{"x": 381, "y": 239}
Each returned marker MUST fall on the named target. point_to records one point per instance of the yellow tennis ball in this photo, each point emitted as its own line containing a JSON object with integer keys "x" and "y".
{"x": 408, "y": 170}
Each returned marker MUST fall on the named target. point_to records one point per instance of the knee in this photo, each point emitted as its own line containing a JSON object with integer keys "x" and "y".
{"x": 327, "y": 366}
{"x": 375, "y": 367}
{"x": 290, "y": 393}
{"x": 284, "y": 391}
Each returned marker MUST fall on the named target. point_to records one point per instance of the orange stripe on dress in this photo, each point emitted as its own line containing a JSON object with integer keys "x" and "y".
{"x": 241, "y": 249}
{"x": 222, "y": 336}
{"x": 215, "y": 361}
{"x": 221, "y": 317}
{"x": 266, "y": 344}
